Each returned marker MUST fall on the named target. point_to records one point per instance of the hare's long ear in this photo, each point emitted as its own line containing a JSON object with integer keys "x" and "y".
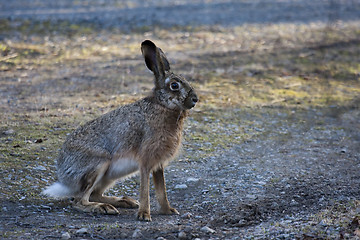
{"x": 155, "y": 59}
{"x": 164, "y": 60}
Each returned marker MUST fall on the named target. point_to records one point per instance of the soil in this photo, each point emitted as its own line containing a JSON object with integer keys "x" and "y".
{"x": 271, "y": 151}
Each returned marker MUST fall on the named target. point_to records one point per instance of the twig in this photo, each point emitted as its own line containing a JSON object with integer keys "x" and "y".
{"x": 8, "y": 57}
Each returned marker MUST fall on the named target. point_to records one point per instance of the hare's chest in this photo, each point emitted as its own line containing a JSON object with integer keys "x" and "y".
{"x": 169, "y": 144}
{"x": 162, "y": 146}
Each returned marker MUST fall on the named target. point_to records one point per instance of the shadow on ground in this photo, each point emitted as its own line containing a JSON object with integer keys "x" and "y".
{"x": 271, "y": 151}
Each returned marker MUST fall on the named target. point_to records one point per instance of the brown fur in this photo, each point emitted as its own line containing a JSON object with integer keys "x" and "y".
{"x": 142, "y": 136}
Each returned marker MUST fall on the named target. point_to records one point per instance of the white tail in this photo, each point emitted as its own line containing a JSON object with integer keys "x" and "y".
{"x": 58, "y": 190}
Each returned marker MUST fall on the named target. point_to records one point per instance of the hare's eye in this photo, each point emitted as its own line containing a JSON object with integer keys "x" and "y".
{"x": 174, "y": 86}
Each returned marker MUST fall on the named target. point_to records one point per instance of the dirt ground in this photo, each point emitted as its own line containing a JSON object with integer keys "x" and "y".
{"x": 271, "y": 151}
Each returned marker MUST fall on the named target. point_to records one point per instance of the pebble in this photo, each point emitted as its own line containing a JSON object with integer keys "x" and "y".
{"x": 182, "y": 235}
{"x": 181, "y": 186}
{"x": 274, "y": 205}
{"x": 242, "y": 222}
{"x": 322, "y": 223}
{"x": 29, "y": 178}
{"x": 45, "y": 207}
{"x": 206, "y": 229}
{"x": 191, "y": 179}
{"x": 251, "y": 196}
{"x": 137, "y": 233}
{"x": 187, "y": 229}
{"x": 261, "y": 183}
{"x": 82, "y": 231}
{"x": 9, "y": 131}
{"x": 293, "y": 203}
{"x": 65, "y": 235}
{"x": 123, "y": 235}
{"x": 41, "y": 168}
{"x": 186, "y": 215}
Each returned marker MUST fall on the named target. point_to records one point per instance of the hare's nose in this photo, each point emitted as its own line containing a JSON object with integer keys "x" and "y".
{"x": 191, "y": 99}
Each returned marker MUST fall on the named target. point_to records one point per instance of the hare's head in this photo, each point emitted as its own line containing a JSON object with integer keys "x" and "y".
{"x": 171, "y": 90}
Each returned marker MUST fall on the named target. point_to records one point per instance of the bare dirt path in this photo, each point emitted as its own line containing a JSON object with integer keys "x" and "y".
{"x": 272, "y": 151}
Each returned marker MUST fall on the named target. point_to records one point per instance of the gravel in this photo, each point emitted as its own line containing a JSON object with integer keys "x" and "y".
{"x": 295, "y": 176}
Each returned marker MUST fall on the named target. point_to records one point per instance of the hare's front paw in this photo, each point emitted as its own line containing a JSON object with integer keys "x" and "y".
{"x": 144, "y": 216}
{"x": 169, "y": 211}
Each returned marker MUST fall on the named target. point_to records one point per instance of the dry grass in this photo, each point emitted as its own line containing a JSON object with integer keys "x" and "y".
{"x": 53, "y": 78}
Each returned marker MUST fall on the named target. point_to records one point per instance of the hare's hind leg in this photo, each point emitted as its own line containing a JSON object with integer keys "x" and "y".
{"x": 121, "y": 202}
{"x": 89, "y": 182}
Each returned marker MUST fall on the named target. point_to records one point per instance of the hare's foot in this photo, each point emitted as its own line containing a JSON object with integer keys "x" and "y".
{"x": 169, "y": 211}
{"x": 144, "y": 216}
{"x": 95, "y": 207}
{"x": 123, "y": 202}
{"x": 126, "y": 202}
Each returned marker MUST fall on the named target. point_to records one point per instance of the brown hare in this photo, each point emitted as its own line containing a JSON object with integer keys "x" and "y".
{"x": 138, "y": 137}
